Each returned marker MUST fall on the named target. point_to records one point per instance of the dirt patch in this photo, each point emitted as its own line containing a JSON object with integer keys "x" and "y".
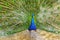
{"x": 25, "y": 35}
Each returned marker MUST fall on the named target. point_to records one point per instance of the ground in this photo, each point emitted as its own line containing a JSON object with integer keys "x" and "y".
{"x": 25, "y": 35}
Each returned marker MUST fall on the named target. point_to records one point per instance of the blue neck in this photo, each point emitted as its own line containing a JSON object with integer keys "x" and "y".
{"x": 32, "y": 25}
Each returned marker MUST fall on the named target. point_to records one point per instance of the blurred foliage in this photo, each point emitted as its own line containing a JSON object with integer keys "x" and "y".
{"x": 15, "y": 15}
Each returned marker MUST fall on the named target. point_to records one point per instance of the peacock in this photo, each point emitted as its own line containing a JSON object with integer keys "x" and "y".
{"x": 20, "y": 15}
{"x": 33, "y": 25}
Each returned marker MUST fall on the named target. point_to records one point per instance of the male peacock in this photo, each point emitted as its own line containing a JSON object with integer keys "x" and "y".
{"x": 15, "y": 15}
{"x": 33, "y": 25}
